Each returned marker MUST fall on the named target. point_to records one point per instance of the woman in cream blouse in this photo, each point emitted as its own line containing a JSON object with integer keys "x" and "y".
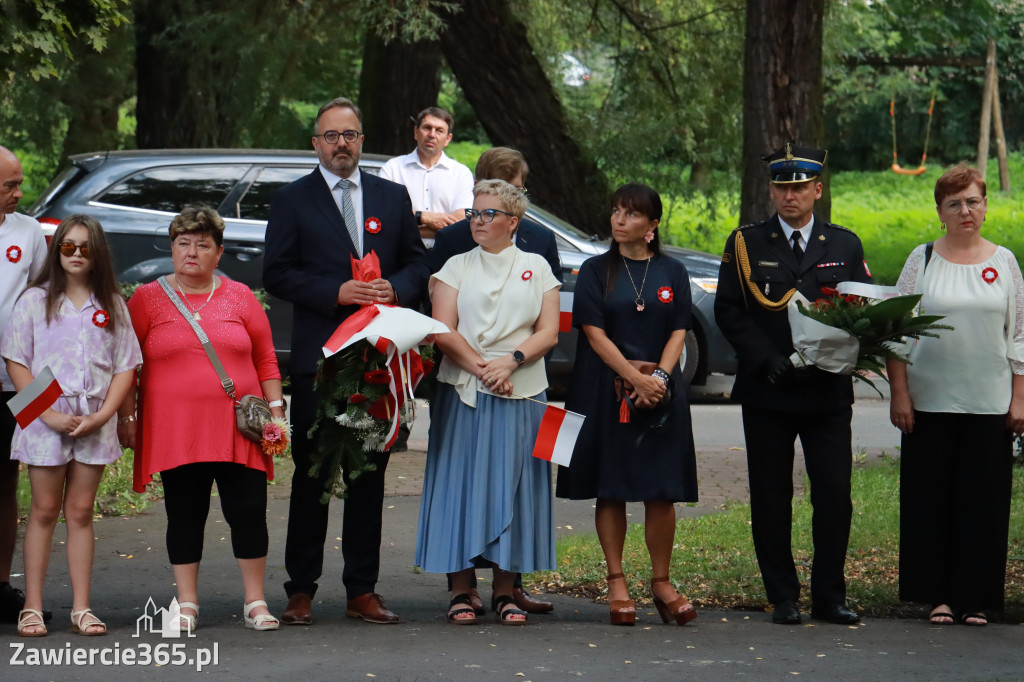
{"x": 486, "y": 500}
{"x": 958, "y": 406}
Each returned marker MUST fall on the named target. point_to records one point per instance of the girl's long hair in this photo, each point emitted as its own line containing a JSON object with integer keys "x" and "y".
{"x": 101, "y": 275}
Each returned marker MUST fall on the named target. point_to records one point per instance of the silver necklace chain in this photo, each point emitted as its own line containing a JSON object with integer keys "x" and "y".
{"x": 639, "y": 300}
{"x": 195, "y": 311}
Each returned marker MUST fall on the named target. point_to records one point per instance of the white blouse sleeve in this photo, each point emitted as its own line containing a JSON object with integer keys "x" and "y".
{"x": 1014, "y": 314}
{"x": 907, "y": 283}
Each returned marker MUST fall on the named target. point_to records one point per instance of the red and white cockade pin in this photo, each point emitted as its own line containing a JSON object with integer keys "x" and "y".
{"x": 14, "y": 253}
{"x": 665, "y": 294}
{"x": 372, "y": 225}
{"x": 527, "y": 275}
{"x": 989, "y": 275}
{"x": 101, "y": 318}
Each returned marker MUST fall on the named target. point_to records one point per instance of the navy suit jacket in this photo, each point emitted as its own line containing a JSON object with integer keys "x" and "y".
{"x": 458, "y": 238}
{"x": 309, "y": 251}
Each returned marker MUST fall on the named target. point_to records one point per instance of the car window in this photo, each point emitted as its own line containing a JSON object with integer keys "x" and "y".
{"x": 255, "y": 203}
{"x": 170, "y": 188}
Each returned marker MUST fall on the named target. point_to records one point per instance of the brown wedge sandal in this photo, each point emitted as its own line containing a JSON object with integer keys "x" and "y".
{"x": 679, "y": 608}
{"x": 620, "y": 611}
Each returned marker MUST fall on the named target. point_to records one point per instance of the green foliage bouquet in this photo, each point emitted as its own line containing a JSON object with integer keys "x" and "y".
{"x": 851, "y": 334}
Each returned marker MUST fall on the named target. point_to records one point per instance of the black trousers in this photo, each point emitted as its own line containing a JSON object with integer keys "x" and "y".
{"x": 307, "y": 517}
{"x": 243, "y": 497}
{"x": 956, "y": 475}
{"x": 825, "y": 437}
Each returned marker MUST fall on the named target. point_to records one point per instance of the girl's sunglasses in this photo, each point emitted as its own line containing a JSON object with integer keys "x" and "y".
{"x": 68, "y": 249}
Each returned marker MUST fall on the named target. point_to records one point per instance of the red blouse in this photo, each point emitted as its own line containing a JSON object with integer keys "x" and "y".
{"x": 184, "y": 414}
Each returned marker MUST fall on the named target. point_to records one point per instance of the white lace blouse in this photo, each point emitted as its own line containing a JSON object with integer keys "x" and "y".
{"x": 968, "y": 369}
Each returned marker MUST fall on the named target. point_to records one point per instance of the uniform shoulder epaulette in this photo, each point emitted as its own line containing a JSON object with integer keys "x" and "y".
{"x": 743, "y": 227}
{"x": 840, "y": 227}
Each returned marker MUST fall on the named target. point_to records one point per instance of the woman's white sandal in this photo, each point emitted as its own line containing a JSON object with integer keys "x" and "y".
{"x": 82, "y": 620}
{"x": 187, "y": 623}
{"x": 30, "y": 618}
{"x": 263, "y": 621}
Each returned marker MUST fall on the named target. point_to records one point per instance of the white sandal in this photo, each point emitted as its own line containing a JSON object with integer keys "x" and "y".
{"x": 80, "y": 626}
{"x": 187, "y": 623}
{"x": 30, "y": 618}
{"x": 263, "y": 621}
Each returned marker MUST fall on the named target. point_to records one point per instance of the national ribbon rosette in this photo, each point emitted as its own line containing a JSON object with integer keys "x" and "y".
{"x": 365, "y": 383}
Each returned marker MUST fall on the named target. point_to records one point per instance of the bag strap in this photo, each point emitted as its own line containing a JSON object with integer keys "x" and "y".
{"x": 225, "y": 381}
{"x": 928, "y": 248}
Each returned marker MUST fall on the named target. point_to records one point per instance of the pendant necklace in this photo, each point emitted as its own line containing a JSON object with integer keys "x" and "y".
{"x": 639, "y": 301}
{"x": 195, "y": 311}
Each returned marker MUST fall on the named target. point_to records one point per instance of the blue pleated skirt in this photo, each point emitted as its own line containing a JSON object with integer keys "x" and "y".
{"x": 484, "y": 494}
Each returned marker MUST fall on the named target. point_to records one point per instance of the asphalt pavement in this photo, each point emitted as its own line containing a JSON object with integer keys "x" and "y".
{"x": 574, "y": 642}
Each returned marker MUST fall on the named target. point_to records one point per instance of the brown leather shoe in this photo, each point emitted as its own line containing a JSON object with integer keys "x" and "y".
{"x": 526, "y": 602}
{"x": 299, "y": 610}
{"x": 370, "y": 607}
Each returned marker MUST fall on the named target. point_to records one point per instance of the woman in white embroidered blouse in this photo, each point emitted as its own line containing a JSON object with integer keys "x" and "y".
{"x": 959, "y": 405}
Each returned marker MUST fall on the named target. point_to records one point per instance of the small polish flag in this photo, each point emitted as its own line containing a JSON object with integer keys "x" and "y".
{"x": 564, "y": 311}
{"x": 35, "y": 398}
{"x": 557, "y": 435}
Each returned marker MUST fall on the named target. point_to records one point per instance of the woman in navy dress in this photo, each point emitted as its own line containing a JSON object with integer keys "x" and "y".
{"x": 633, "y": 303}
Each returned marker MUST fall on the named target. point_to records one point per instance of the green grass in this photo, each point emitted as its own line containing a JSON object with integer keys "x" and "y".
{"x": 115, "y": 496}
{"x": 713, "y": 560}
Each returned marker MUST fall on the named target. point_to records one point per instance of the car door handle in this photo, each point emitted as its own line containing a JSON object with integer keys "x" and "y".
{"x": 244, "y": 253}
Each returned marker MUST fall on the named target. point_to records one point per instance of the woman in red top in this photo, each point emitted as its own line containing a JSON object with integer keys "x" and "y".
{"x": 186, "y": 422}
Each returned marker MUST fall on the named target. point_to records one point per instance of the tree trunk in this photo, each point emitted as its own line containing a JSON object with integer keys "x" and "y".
{"x": 389, "y": 113}
{"x": 94, "y": 111}
{"x": 488, "y": 51}
{"x": 782, "y": 93}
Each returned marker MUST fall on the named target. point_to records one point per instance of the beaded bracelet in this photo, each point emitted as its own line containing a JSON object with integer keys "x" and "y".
{"x": 661, "y": 374}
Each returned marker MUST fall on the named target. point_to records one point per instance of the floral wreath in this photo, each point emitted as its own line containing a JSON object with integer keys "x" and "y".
{"x": 372, "y": 225}
{"x": 527, "y": 275}
{"x": 665, "y": 294}
{"x": 989, "y": 275}
{"x": 14, "y": 253}
{"x": 101, "y": 318}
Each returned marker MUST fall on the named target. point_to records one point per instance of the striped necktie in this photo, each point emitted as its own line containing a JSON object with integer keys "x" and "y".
{"x": 349, "y": 213}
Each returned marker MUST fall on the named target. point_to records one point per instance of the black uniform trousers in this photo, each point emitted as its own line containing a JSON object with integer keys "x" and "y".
{"x": 307, "y": 517}
{"x": 825, "y": 437}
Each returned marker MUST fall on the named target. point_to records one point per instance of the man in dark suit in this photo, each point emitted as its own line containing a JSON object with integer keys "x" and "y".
{"x": 762, "y": 266}
{"x": 500, "y": 163}
{"x": 317, "y": 223}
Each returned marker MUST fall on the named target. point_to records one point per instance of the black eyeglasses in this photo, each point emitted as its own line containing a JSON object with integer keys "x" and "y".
{"x": 485, "y": 216}
{"x": 68, "y": 249}
{"x": 332, "y": 136}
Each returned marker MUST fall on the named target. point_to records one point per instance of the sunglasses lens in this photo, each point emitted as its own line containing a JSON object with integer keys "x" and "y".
{"x": 68, "y": 249}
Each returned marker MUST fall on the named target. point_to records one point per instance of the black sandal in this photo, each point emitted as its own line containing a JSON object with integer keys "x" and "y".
{"x": 937, "y": 617}
{"x": 505, "y": 610}
{"x": 454, "y": 613}
{"x": 978, "y": 616}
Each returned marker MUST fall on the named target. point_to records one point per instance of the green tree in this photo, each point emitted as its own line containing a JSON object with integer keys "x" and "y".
{"x": 36, "y": 34}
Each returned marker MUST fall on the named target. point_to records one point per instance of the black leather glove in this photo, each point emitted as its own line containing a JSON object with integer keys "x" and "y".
{"x": 778, "y": 370}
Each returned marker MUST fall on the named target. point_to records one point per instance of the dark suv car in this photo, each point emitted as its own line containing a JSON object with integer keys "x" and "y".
{"x": 134, "y": 194}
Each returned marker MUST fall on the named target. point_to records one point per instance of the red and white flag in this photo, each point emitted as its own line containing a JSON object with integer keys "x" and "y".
{"x": 35, "y": 398}
{"x": 564, "y": 311}
{"x": 556, "y": 439}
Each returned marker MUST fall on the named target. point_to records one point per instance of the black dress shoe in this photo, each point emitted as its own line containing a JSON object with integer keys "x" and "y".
{"x": 786, "y": 613}
{"x": 835, "y": 613}
{"x": 12, "y": 601}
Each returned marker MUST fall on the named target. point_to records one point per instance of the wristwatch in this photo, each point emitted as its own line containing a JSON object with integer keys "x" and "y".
{"x": 419, "y": 216}
{"x": 518, "y": 356}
